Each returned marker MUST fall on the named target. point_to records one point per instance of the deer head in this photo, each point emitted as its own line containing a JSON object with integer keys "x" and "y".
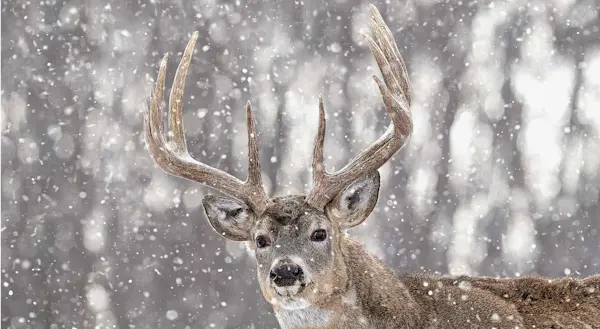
{"x": 296, "y": 240}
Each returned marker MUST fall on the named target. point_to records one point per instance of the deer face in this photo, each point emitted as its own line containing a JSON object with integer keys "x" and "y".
{"x": 297, "y": 247}
{"x": 296, "y": 240}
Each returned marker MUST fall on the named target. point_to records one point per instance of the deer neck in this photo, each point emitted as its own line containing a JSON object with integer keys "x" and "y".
{"x": 380, "y": 294}
{"x": 371, "y": 297}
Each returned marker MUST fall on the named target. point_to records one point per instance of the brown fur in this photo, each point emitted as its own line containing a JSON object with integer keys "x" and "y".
{"x": 335, "y": 282}
{"x": 421, "y": 301}
{"x": 548, "y": 303}
{"x": 351, "y": 288}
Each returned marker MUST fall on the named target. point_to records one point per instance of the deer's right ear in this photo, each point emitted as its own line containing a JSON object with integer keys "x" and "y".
{"x": 231, "y": 218}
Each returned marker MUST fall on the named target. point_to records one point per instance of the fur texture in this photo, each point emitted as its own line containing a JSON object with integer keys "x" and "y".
{"x": 317, "y": 277}
{"x": 347, "y": 287}
{"x": 420, "y": 301}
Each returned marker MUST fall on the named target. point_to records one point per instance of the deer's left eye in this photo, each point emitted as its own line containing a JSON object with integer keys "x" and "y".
{"x": 319, "y": 235}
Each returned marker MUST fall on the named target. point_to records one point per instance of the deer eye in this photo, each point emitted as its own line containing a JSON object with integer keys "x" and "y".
{"x": 318, "y": 235}
{"x": 262, "y": 241}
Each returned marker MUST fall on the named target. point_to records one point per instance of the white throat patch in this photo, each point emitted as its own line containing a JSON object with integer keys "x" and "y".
{"x": 294, "y": 304}
{"x": 307, "y": 317}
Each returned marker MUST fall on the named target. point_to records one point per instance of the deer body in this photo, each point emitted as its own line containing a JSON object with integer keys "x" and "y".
{"x": 316, "y": 276}
{"x": 374, "y": 297}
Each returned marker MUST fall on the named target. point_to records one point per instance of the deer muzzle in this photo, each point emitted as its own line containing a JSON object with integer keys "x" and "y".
{"x": 286, "y": 275}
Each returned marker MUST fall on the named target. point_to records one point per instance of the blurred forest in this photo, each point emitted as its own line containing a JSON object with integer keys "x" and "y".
{"x": 501, "y": 176}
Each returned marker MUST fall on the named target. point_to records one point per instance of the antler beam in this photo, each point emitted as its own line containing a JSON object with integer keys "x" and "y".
{"x": 173, "y": 156}
{"x": 396, "y": 94}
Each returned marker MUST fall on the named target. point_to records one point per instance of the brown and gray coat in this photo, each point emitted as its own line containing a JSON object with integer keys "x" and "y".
{"x": 316, "y": 276}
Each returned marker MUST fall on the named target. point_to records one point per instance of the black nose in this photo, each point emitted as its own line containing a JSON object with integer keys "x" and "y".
{"x": 286, "y": 275}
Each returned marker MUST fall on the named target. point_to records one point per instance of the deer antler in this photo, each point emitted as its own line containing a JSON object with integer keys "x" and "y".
{"x": 396, "y": 97}
{"x": 173, "y": 156}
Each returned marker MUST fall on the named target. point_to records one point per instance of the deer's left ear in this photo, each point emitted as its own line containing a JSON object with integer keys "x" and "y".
{"x": 354, "y": 203}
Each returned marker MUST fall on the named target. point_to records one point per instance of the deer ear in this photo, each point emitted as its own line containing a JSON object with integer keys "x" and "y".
{"x": 354, "y": 203}
{"x": 231, "y": 218}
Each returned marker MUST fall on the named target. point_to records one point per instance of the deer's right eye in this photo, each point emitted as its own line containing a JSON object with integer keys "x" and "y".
{"x": 262, "y": 241}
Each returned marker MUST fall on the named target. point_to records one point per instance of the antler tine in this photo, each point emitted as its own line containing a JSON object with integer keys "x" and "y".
{"x": 318, "y": 164}
{"x": 384, "y": 36}
{"x": 395, "y": 92}
{"x": 254, "y": 176}
{"x": 176, "y": 98}
{"x": 174, "y": 158}
{"x": 152, "y": 111}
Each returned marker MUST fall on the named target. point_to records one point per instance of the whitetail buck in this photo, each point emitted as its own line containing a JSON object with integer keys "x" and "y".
{"x": 315, "y": 275}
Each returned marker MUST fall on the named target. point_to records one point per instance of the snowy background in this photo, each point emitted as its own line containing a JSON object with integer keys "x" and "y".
{"x": 501, "y": 176}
